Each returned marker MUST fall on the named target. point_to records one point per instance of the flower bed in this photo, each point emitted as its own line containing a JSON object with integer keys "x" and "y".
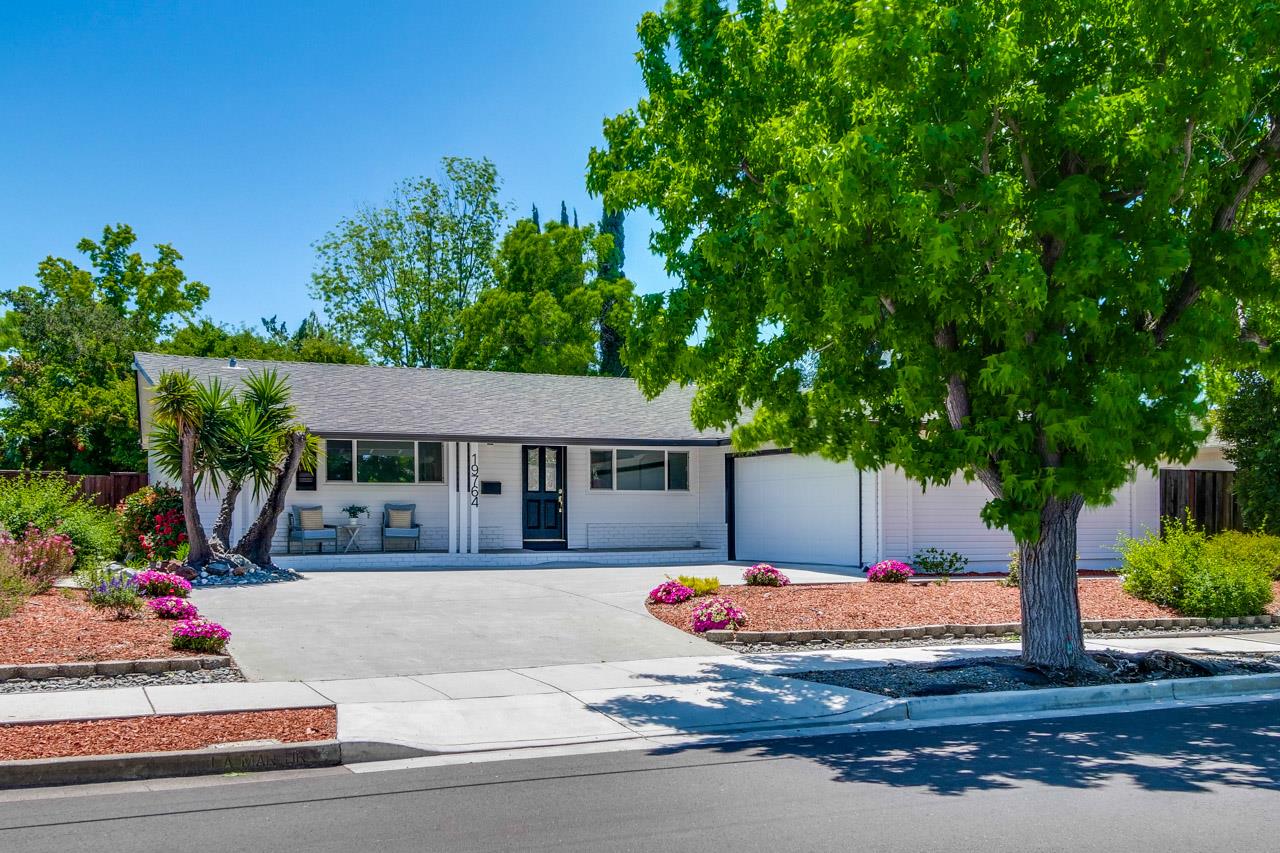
{"x": 164, "y": 734}
{"x": 803, "y": 607}
{"x": 53, "y": 628}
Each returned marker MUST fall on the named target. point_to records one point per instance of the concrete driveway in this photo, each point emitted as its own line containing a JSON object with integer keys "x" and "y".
{"x": 371, "y": 623}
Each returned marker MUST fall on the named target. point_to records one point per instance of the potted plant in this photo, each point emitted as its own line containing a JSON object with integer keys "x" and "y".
{"x": 354, "y": 511}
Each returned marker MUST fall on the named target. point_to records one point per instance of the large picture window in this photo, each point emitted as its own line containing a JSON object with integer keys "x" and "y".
{"x": 639, "y": 470}
{"x": 383, "y": 461}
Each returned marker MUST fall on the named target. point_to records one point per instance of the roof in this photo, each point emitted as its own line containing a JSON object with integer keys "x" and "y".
{"x": 338, "y": 400}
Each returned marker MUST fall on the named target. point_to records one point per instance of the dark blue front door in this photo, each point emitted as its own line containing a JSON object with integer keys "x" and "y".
{"x": 544, "y": 497}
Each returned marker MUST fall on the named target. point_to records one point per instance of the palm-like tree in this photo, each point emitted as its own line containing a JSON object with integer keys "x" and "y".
{"x": 186, "y": 415}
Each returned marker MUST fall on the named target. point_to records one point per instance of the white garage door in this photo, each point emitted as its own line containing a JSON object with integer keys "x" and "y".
{"x": 795, "y": 509}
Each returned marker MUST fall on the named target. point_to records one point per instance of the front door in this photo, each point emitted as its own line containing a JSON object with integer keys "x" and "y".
{"x": 544, "y": 498}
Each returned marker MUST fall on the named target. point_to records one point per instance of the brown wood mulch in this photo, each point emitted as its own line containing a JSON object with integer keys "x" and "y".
{"x": 164, "y": 734}
{"x": 803, "y": 607}
{"x": 60, "y": 627}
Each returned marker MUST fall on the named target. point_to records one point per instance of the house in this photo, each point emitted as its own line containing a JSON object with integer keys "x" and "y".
{"x": 514, "y": 469}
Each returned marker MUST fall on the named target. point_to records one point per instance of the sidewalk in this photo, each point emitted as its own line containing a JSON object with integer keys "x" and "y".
{"x": 571, "y": 704}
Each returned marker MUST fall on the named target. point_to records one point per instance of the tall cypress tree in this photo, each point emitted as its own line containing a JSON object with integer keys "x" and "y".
{"x": 537, "y": 223}
{"x": 611, "y": 271}
{"x": 564, "y": 214}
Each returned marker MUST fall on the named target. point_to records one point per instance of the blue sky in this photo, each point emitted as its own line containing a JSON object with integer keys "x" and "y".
{"x": 241, "y": 132}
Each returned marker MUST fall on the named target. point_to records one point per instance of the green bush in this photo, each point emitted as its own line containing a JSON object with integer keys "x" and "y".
{"x": 700, "y": 586}
{"x": 51, "y": 503}
{"x": 1255, "y": 549}
{"x": 1187, "y": 571}
{"x": 14, "y": 590}
{"x": 1218, "y": 588}
{"x": 936, "y": 561}
{"x": 115, "y": 592}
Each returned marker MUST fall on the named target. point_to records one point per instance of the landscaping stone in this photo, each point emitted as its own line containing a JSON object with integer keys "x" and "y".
{"x": 186, "y": 572}
{"x": 218, "y": 569}
{"x": 238, "y": 571}
{"x": 134, "y": 679}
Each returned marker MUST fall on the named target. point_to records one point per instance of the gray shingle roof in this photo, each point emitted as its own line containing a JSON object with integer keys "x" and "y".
{"x": 345, "y": 399}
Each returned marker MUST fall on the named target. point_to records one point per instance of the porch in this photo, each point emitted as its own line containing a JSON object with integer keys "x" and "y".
{"x": 499, "y": 558}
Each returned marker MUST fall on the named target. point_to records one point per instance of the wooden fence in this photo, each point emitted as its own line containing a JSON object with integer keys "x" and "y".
{"x": 103, "y": 489}
{"x": 1205, "y": 497}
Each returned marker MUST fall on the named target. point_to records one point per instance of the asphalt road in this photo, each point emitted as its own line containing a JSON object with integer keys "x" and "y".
{"x": 1200, "y": 779}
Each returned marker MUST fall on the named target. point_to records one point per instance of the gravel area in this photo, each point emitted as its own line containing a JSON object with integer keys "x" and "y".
{"x": 60, "y": 627}
{"x": 802, "y": 607}
{"x": 164, "y": 734}
{"x": 137, "y": 679}
{"x": 254, "y": 575}
{"x": 983, "y": 675}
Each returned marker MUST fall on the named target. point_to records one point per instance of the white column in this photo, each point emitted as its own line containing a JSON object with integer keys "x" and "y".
{"x": 450, "y": 451}
{"x": 473, "y": 496}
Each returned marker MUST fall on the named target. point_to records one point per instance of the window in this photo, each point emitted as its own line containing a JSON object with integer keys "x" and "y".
{"x": 384, "y": 461}
{"x": 602, "y": 469}
{"x": 337, "y": 462}
{"x": 635, "y": 470}
{"x": 430, "y": 462}
{"x": 678, "y": 472}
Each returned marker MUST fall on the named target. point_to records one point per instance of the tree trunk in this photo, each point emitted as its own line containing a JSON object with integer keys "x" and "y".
{"x": 198, "y": 553}
{"x": 1052, "y": 637}
{"x": 256, "y": 542}
{"x": 220, "y": 542}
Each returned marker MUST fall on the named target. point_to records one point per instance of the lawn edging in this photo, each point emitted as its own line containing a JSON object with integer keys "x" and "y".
{"x": 923, "y": 632}
{"x": 85, "y": 669}
{"x": 212, "y": 760}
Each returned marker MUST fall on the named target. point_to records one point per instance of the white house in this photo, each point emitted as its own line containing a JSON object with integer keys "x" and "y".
{"x": 514, "y": 469}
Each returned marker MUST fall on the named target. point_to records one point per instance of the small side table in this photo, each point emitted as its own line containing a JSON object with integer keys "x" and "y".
{"x": 353, "y": 532}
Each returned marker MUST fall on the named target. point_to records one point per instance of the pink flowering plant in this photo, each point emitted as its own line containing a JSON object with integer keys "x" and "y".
{"x": 889, "y": 571}
{"x": 161, "y": 584}
{"x": 670, "y": 592}
{"x": 763, "y": 574}
{"x": 172, "y": 607}
{"x": 38, "y": 556}
{"x": 200, "y": 635}
{"x": 719, "y": 613}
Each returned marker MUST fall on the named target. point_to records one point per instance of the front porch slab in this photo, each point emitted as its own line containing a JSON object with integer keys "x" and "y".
{"x": 405, "y": 560}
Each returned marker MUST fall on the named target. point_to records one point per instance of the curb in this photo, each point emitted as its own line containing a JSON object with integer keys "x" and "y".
{"x": 214, "y": 760}
{"x": 84, "y": 669}
{"x": 945, "y": 632}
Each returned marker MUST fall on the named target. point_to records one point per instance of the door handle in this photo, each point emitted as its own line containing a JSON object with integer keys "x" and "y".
{"x": 560, "y": 498}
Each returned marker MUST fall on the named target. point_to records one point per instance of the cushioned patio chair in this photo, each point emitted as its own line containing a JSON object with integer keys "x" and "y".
{"x": 399, "y": 524}
{"x": 306, "y": 524}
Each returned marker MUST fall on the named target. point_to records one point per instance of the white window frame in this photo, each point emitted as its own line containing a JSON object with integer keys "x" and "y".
{"x": 355, "y": 457}
{"x": 666, "y": 471}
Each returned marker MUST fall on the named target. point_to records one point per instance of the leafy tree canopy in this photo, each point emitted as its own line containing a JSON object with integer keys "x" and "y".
{"x": 311, "y": 341}
{"x": 394, "y": 279}
{"x": 67, "y": 381}
{"x": 990, "y": 237}
{"x": 1249, "y": 422}
{"x": 544, "y": 314}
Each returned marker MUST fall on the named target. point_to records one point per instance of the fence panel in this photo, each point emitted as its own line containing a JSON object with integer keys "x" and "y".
{"x": 1205, "y": 497}
{"x": 103, "y": 489}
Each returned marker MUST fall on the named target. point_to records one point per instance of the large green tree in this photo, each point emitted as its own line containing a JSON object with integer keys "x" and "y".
{"x": 394, "y": 279}
{"x": 989, "y": 238}
{"x": 544, "y": 313}
{"x": 67, "y": 381}
{"x": 310, "y": 341}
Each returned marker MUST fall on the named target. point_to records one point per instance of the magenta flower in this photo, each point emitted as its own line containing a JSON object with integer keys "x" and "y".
{"x": 670, "y": 592}
{"x": 172, "y": 607}
{"x": 160, "y": 584}
{"x": 763, "y": 574}
{"x": 889, "y": 571}
{"x": 715, "y": 614}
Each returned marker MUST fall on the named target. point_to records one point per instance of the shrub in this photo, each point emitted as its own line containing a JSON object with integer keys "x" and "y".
{"x": 1256, "y": 549}
{"x": 889, "y": 571}
{"x": 1186, "y": 571}
{"x": 763, "y": 574}
{"x": 158, "y": 584}
{"x": 670, "y": 592}
{"x": 700, "y": 586}
{"x": 1014, "y": 578}
{"x": 935, "y": 561}
{"x": 41, "y": 557}
{"x": 14, "y": 590}
{"x": 200, "y": 635}
{"x": 1155, "y": 568}
{"x": 50, "y": 503}
{"x": 152, "y": 523}
{"x": 116, "y": 592}
{"x": 1218, "y": 588}
{"x": 716, "y": 614}
{"x": 172, "y": 607}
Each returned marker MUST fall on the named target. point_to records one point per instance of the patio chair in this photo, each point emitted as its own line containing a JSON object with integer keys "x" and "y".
{"x": 399, "y": 523}
{"x": 306, "y": 524}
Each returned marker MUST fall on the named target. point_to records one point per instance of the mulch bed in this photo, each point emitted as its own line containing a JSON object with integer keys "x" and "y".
{"x": 54, "y": 627}
{"x": 164, "y": 734}
{"x": 803, "y": 607}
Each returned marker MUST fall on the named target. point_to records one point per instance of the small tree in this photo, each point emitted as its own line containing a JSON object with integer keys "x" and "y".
{"x": 1249, "y": 422}
{"x": 188, "y": 425}
{"x": 985, "y": 238}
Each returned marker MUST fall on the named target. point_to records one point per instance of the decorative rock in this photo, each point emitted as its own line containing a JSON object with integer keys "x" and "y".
{"x": 238, "y": 571}
{"x": 184, "y": 571}
{"x": 239, "y": 560}
{"x": 218, "y": 568}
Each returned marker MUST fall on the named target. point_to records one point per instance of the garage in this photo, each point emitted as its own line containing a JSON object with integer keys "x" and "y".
{"x": 788, "y": 508}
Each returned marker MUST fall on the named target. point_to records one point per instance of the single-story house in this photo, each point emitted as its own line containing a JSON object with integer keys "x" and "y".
{"x": 512, "y": 469}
